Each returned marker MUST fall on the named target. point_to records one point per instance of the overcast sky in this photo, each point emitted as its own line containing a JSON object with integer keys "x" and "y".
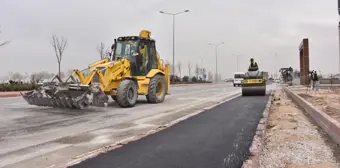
{"x": 254, "y": 28}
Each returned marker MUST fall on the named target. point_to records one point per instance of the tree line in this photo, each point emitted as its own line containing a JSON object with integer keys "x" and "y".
{"x": 194, "y": 73}
{"x": 35, "y": 77}
{"x": 60, "y": 43}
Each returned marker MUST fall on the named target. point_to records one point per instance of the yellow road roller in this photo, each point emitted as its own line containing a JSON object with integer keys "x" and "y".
{"x": 253, "y": 83}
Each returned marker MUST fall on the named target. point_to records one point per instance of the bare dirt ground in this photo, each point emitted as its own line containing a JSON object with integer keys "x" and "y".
{"x": 326, "y": 100}
{"x": 293, "y": 141}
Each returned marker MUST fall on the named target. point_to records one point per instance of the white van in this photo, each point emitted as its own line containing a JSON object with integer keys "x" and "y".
{"x": 238, "y": 77}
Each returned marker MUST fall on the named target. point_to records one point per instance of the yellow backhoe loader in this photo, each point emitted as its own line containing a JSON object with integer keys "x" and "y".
{"x": 132, "y": 68}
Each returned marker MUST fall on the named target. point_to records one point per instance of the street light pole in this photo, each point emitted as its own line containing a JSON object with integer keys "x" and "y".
{"x": 201, "y": 59}
{"x": 216, "y": 45}
{"x": 173, "y": 36}
{"x": 216, "y": 63}
{"x": 339, "y": 32}
{"x": 173, "y": 46}
{"x": 237, "y": 63}
{"x": 237, "y": 55}
{"x": 276, "y": 74}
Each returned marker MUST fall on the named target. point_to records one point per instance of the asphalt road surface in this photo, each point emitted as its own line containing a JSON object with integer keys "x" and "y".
{"x": 219, "y": 137}
{"x": 34, "y": 137}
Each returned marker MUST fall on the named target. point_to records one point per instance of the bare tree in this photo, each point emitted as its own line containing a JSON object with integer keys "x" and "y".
{"x": 16, "y": 76}
{"x": 108, "y": 51}
{"x": 197, "y": 70}
{"x": 3, "y": 43}
{"x": 3, "y": 78}
{"x": 25, "y": 76}
{"x": 170, "y": 64}
{"x": 62, "y": 75}
{"x": 33, "y": 77}
{"x": 50, "y": 75}
{"x": 37, "y": 77}
{"x": 189, "y": 68}
{"x": 203, "y": 72}
{"x": 40, "y": 76}
{"x": 172, "y": 67}
{"x": 10, "y": 74}
{"x": 101, "y": 50}
{"x": 69, "y": 72}
{"x": 179, "y": 66}
{"x": 210, "y": 76}
{"x": 59, "y": 46}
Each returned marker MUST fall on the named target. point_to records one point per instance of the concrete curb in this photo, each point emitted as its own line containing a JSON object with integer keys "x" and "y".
{"x": 257, "y": 143}
{"x": 94, "y": 153}
{"x": 327, "y": 123}
{"x": 175, "y": 85}
{"x": 11, "y": 94}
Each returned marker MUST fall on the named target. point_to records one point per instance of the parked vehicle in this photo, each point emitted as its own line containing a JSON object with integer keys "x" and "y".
{"x": 238, "y": 77}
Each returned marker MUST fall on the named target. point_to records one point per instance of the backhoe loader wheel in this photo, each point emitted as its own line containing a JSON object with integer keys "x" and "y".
{"x": 157, "y": 89}
{"x": 114, "y": 97}
{"x": 127, "y": 93}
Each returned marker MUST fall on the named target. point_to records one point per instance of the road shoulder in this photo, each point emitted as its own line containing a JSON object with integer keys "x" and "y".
{"x": 293, "y": 140}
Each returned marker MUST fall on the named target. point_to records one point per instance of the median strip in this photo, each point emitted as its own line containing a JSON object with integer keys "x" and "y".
{"x": 17, "y": 93}
{"x": 10, "y": 94}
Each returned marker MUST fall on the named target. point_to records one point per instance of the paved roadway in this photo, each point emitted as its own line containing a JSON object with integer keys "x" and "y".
{"x": 38, "y": 137}
{"x": 219, "y": 137}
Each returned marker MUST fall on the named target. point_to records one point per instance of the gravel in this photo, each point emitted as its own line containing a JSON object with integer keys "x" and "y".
{"x": 292, "y": 140}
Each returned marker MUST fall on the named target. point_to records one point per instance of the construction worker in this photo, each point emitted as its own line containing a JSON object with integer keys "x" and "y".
{"x": 143, "y": 58}
{"x": 253, "y": 65}
{"x": 315, "y": 79}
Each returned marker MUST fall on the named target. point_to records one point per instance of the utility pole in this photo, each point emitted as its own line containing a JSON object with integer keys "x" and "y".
{"x": 339, "y": 31}
{"x": 201, "y": 59}
{"x": 173, "y": 36}
{"x": 276, "y": 74}
{"x": 201, "y": 66}
{"x": 216, "y": 45}
{"x": 237, "y": 55}
{"x": 339, "y": 43}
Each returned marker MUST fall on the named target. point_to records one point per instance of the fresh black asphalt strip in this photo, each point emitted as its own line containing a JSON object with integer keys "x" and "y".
{"x": 217, "y": 138}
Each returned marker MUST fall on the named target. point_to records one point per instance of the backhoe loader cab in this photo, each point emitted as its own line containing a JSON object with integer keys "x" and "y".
{"x": 141, "y": 53}
{"x": 133, "y": 68}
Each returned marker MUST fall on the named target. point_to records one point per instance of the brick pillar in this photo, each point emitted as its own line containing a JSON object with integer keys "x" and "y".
{"x": 304, "y": 62}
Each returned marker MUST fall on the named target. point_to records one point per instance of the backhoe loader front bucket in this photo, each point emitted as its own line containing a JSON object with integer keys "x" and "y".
{"x": 72, "y": 96}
